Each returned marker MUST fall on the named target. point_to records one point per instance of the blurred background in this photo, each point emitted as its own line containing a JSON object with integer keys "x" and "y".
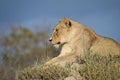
{"x": 25, "y": 26}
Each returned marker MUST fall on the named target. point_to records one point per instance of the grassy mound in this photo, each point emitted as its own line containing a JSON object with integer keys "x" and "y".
{"x": 90, "y": 68}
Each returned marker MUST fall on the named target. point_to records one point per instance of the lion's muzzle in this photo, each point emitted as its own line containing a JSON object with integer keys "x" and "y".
{"x": 54, "y": 43}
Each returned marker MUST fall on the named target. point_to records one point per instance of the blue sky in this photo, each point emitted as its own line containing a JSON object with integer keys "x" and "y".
{"x": 101, "y": 15}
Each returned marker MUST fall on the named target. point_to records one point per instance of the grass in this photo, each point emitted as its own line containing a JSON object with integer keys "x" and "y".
{"x": 101, "y": 68}
{"x": 51, "y": 73}
{"x": 90, "y": 68}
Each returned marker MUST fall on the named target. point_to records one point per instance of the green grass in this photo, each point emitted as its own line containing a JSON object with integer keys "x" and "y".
{"x": 90, "y": 68}
{"x": 101, "y": 68}
{"x": 51, "y": 73}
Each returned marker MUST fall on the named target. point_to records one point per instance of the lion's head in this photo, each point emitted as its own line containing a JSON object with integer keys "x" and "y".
{"x": 61, "y": 32}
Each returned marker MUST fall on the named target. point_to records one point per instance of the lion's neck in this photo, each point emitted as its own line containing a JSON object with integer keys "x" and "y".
{"x": 76, "y": 35}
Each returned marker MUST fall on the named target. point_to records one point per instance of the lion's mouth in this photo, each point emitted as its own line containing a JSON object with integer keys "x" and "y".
{"x": 58, "y": 42}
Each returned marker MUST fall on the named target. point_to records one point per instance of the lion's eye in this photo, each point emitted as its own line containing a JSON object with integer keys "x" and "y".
{"x": 56, "y": 30}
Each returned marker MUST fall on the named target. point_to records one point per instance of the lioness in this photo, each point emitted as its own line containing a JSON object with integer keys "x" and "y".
{"x": 75, "y": 39}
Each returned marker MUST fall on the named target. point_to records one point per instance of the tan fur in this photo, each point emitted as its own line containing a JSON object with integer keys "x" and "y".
{"x": 76, "y": 39}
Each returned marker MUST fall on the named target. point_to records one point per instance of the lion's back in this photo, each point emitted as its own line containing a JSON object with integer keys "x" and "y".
{"x": 105, "y": 46}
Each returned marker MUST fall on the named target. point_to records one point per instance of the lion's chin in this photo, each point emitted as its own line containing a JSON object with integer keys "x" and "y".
{"x": 56, "y": 45}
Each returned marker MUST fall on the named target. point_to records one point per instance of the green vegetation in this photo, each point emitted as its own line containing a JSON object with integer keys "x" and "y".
{"x": 94, "y": 68}
{"x": 101, "y": 68}
{"x": 21, "y": 48}
{"x": 51, "y": 73}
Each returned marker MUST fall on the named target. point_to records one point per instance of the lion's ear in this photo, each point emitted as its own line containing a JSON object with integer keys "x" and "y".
{"x": 67, "y": 22}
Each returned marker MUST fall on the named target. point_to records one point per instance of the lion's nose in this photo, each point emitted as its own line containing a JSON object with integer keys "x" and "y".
{"x": 50, "y": 40}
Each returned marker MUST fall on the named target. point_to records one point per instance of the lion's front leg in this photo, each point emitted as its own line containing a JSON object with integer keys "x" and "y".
{"x": 61, "y": 60}
{"x": 52, "y": 61}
